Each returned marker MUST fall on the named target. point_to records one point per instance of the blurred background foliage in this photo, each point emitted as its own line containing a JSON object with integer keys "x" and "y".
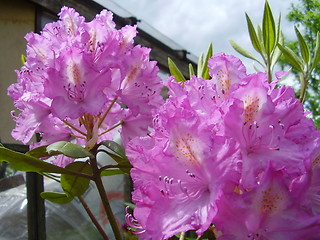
{"x": 306, "y": 16}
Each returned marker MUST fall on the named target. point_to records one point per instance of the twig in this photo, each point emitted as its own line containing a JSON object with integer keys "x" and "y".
{"x": 104, "y": 199}
{"x": 93, "y": 218}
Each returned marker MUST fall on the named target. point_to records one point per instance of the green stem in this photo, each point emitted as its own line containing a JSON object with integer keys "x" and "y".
{"x": 303, "y": 90}
{"x": 269, "y": 71}
{"x": 93, "y": 219}
{"x": 304, "y": 77}
{"x": 104, "y": 199}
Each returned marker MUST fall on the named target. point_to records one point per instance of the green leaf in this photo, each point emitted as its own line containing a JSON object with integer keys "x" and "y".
{"x": 316, "y": 57}
{"x": 268, "y": 29}
{"x": 205, "y": 68}
{"x": 68, "y": 149}
{"x": 130, "y": 205}
{"x": 125, "y": 167}
{"x": 291, "y": 57}
{"x": 175, "y": 71}
{"x": 279, "y": 39}
{"x": 191, "y": 70}
{"x": 305, "y": 53}
{"x": 117, "y": 153}
{"x": 263, "y": 50}
{"x": 253, "y": 35}
{"x": 242, "y": 51}
{"x": 56, "y": 197}
{"x": 112, "y": 171}
{"x": 27, "y": 163}
{"x": 23, "y": 59}
{"x": 275, "y": 56}
{"x": 276, "y": 52}
{"x": 76, "y": 185}
{"x": 115, "y": 150}
{"x": 114, "y": 147}
{"x": 260, "y": 37}
{"x": 200, "y": 63}
{"x": 278, "y": 30}
{"x": 38, "y": 152}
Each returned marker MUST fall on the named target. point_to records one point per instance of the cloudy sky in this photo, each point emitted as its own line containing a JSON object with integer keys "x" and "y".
{"x": 193, "y": 24}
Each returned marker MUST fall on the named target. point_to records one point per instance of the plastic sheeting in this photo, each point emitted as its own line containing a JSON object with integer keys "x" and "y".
{"x": 68, "y": 221}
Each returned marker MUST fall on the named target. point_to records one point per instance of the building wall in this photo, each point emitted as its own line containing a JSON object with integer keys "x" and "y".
{"x": 17, "y": 17}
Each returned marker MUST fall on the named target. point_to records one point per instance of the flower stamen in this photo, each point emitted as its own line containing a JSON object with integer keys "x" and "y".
{"x": 106, "y": 112}
{"x": 113, "y": 127}
{"x": 74, "y": 128}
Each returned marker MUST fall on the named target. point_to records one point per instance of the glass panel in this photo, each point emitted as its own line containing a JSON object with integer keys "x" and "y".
{"x": 70, "y": 221}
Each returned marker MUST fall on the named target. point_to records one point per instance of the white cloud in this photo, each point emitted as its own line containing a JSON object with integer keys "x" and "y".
{"x": 193, "y": 24}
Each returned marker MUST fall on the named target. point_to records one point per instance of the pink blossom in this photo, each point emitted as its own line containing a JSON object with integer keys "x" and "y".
{"x": 27, "y": 123}
{"x": 134, "y": 226}
{"x": 80, "y": 86}
{"x": 134, "y": 91}
{"x": 235, "y": 151}
{"x": 308, "y": 185}
{"x": 134, "y": 126}
{"x": 269, "y": 211}
{"x": 226, "y": 71}
{"x": 180, "y": 169}
{"x": 83, "y": 74}
{"x": 270, "y": 125}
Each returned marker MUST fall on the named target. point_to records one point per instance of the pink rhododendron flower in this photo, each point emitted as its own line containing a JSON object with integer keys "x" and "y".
{"x": 80, "y": 87}
{"x": 180, "y": 169}
{"x": 234, "y": 151}
{"x": 134, "y": 90}
{"x": 308, "y": 184}
{"x": 83, "y": 75}
{"x": 226, "y": 71}
{"x": 269, "y": 211}
{"x": 270, "y": 125}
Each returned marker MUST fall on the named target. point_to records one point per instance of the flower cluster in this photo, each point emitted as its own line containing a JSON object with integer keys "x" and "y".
{"x": 234, "y": 152}
{"x": 83, "y": 79}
